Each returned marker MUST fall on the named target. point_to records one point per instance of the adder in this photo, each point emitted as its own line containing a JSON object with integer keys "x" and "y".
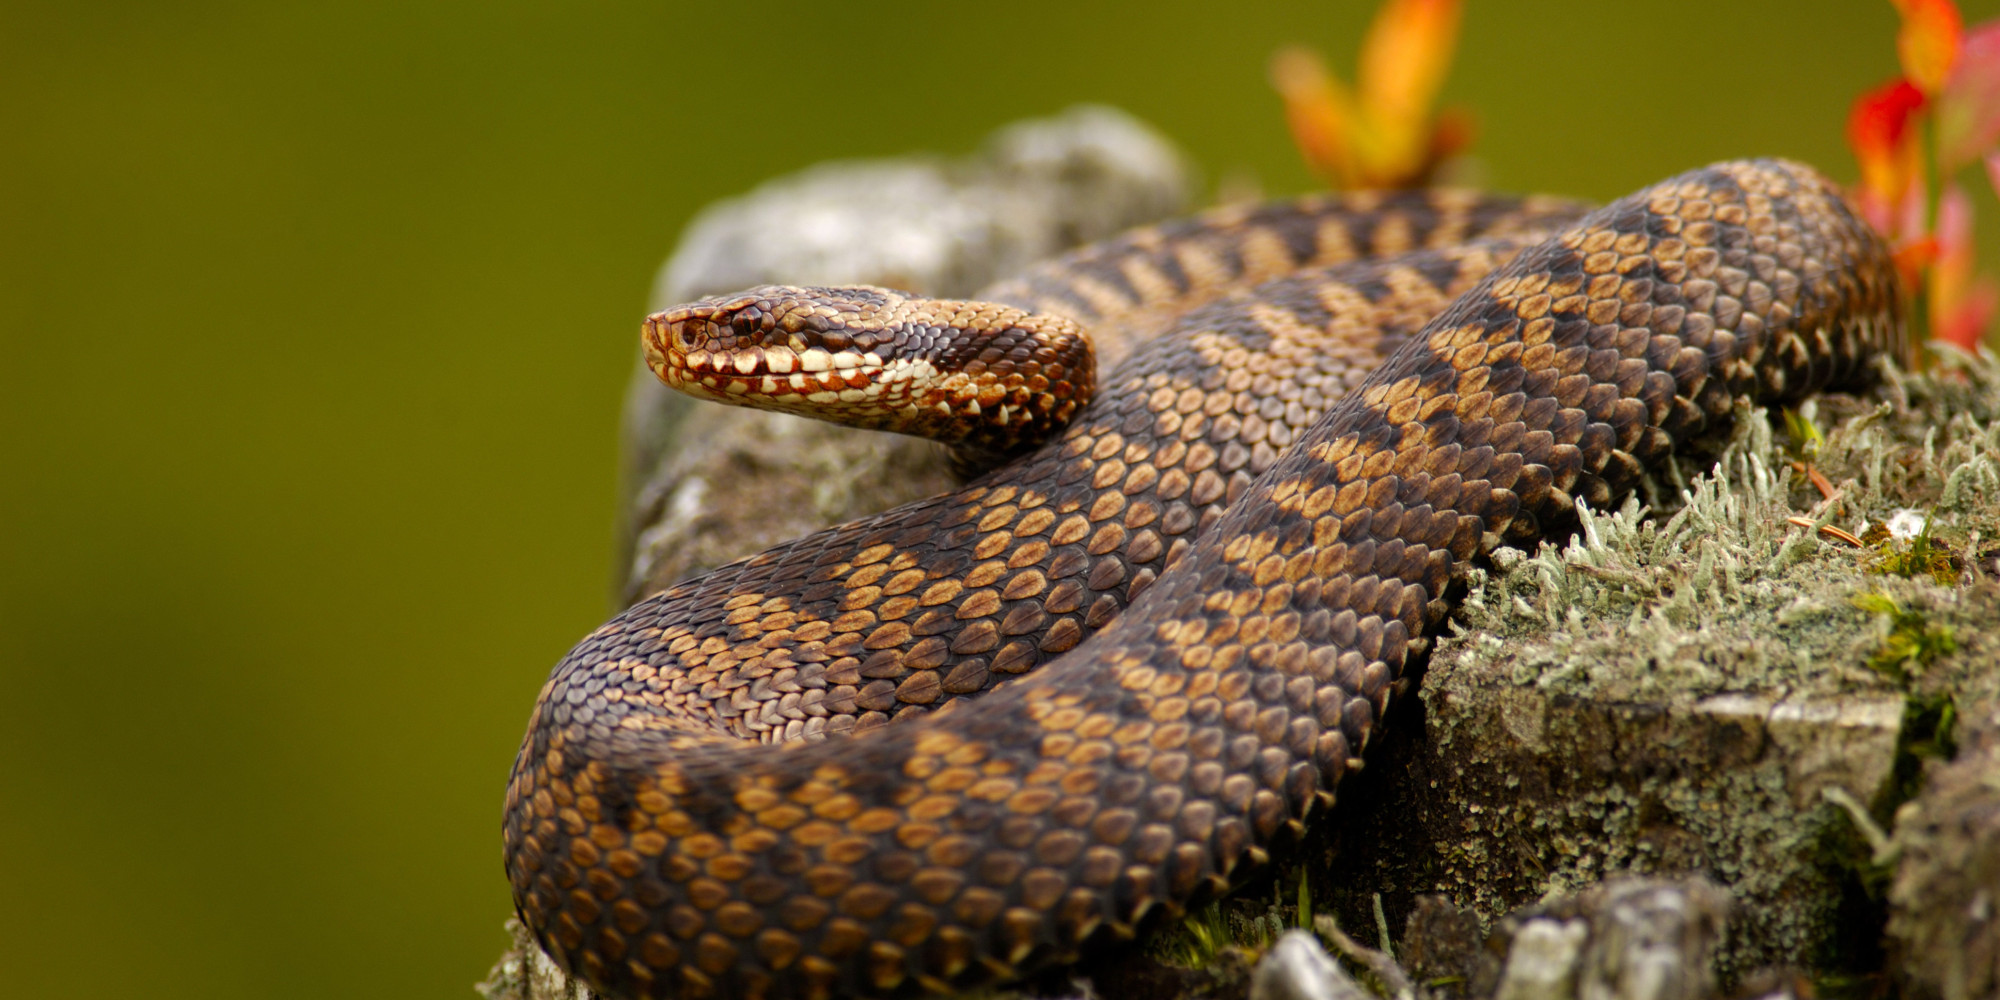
{"x": 951, "y": 744}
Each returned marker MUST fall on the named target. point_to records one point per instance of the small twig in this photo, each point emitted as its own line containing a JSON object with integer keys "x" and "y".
{"x": 1883, "y": 848}
{"x": 1612, "y": 574}
{"x": 1817, "y": 478}
{"x": 1828, "y": 530}
{"x": 1382, "y": 966}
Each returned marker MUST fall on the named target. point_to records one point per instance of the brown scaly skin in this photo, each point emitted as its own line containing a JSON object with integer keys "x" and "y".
{"x": 657, "y": 851}
{"x": 1127, "y": 289}
{"x": 1132, "y": 490}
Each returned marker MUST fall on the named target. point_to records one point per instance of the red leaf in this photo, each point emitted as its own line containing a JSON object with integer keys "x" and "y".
{"x": 1879, "y": 130}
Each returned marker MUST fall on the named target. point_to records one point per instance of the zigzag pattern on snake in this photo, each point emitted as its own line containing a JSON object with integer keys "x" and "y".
{"x": 699, "y": 807}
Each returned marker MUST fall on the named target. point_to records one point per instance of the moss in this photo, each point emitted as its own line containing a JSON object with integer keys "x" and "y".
{"x": 1911, "y": 641}
{"x": 1918, "y": 556}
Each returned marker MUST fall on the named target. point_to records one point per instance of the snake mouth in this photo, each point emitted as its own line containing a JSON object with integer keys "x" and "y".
{"x": 703, "y": 357}
{"x": 969, "y": 375}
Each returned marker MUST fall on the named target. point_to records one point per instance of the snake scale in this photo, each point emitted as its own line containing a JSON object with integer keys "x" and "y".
{"x": 948, "y": 745}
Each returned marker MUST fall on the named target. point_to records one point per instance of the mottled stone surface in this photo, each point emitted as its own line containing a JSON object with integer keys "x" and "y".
{"x": 1624, "y": 939}
{"x": 525, "y": 973}
{"x": 1627, "y": 938}
{"x": 1944, "y": 923}
{"x": 1297, "y": 968}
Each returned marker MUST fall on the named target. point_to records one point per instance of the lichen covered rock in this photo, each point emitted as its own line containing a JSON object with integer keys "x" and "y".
{"x": 1724, "y": 689}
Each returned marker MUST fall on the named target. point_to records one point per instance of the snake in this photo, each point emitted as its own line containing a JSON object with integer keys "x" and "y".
{"x": 1236, "y": 470}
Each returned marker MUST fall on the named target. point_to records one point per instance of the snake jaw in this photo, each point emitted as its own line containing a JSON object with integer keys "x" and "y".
{"x": 759, "y": 343}
{"x": 982, "y": 378}
{"x": 705, "y": 358}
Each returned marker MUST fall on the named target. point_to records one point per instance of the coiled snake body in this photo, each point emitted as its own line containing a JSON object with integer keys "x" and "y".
{"x": 697, "y": 809}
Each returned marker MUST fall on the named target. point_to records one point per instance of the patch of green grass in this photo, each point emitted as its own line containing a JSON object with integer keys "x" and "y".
{"x": 1221, "y": 926}
{"x": 1921, "y": 556}
{"x": 1912, "y": 642}
{"x": 1201, "y": 936}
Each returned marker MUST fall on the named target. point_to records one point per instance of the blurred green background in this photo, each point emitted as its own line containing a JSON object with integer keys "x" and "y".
{"x": 313, "y": 323}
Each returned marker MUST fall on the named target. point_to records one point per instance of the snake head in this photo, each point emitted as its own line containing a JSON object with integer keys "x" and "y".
{"x": 974, "y": 375}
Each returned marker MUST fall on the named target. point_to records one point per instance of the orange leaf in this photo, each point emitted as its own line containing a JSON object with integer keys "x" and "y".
{"x": 1954, "y": 246}
{"x": 1403, "y": 63}
{"x": 1927, "y": 43}
{"x": 1453, "y": 134}
{"x": 1319, "y": 111}
{"x": 1967, "y": 324}
{"x": 1911, "y": 258}
{"x": 1383, "y": 133}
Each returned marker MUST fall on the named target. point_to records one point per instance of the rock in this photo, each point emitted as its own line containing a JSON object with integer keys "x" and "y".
{"x": 1441, "y": 942}
{"x": 1944, "y": 902}
{"x": 525, "y": 973}
{"x": 1626, "y": 939}
{"x": 1297, "y": 968}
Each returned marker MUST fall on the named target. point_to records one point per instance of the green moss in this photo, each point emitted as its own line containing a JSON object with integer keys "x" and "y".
{"x": 1930, "y": 733}
{"x": 1920, "y": 556}
{"x": 1911, "y": 642}
{"x": 1805, "y": 435}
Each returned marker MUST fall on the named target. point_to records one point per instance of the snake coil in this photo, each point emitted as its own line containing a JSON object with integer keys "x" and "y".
{"x": 935, "y": 748}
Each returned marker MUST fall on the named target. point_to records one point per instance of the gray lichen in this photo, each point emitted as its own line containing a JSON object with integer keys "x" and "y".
{"x": 525, "y": 973}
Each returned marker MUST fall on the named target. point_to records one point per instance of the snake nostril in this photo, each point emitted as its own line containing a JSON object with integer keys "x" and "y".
{"x": 684, "y": 336}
